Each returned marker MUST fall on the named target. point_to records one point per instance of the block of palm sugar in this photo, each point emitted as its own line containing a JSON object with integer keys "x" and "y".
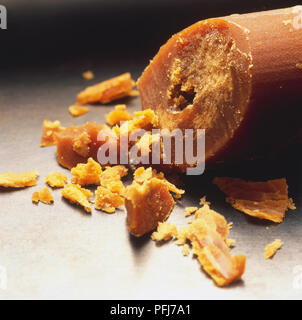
{"x": 234, "y": 76}
{"x": 148, "y": 201}
{"x": 78, "y": 195}
{"x": 42, "y": 195}
{"x": 271, "y": 249}
{"x": 18, "y": 180}
{"x": 208, "y": 237}
{"x": 107, "y": 91}
{"x": 265, "y": 200}
{"x": 49, "y": 132}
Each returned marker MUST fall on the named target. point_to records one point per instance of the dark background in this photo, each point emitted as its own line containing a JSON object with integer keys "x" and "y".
{"x": 56, "y": 31}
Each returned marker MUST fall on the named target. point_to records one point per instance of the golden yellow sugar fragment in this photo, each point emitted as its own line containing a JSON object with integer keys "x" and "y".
{"x": 81, "y": 144}
{"x": 108, "y": 90}
{"x": 87, "y": 174}
{"x": 119, "y": 114}
{"x": 88, "y": 75}
{"x": 272, "y": 248}
{"x": 165, "y": 231}
{"x": 56, "y": 179}
{"x": 208, "y": 236}
{"x": 111, "y": 194}
{"x": 18, "y": 180}
{"x": 291, "y": 205}
{"x": 133, "y": 93}
{"x": 203, "y": 201}
{"x": 42, "y": 195}
{"x": 49, "y": 131}
{"x": 145, "y": 119}
{"x": 230, "y": 242}
{"x": 142, "y": 175}
{"x": 75, "y": 194}
{"x": 190, "y": 210}
{"x": 185, "y": 250}
{"x": 76, "y": 110}
{"x": 265, "y": 200}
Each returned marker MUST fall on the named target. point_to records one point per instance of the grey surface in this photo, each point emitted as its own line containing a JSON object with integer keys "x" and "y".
{"x": 59, "y": 251}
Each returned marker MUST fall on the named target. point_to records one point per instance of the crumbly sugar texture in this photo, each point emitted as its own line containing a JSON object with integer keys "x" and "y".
{"x": 56, "y": 180}
{"x": 111, "y": 193}
{"x": 43, "y": 195}
{"x": 165, "y": 231}
{"x": 271, "y": 248}
{"x": 78, "y": 195}
{"x": 119, "y": 114}
{"x": 18, "y": 180}
{"x": 87, "y": 173}
{"x": 49, "y": 131}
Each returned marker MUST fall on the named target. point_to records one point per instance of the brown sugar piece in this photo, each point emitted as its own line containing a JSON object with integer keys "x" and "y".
{"x": 18, "y": 180}
{"x": 56, "y": 179}
{"x": 271, "y": 249}
{"x": 232, "y": 77}
{"x": 208, "y": 237}
{"x": 265, "y": 200}
{"x": 165, "y": 231}
{"x": 87, "y": 174}
{"x": 146, "y": 205}
{"x": 49, "y": 132}
{"x": 76, "y": 110}
{"x": 148, "y": 200}
{"x": 42, "y": 195}
{"x": 111, "y": 194}
{"x": 88, "y": 75}
{"x": 77, "y": 143}
{"x": 119, "y": 114}
{"x": 107, "y": 91}
{"x": 75, "y": 194}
